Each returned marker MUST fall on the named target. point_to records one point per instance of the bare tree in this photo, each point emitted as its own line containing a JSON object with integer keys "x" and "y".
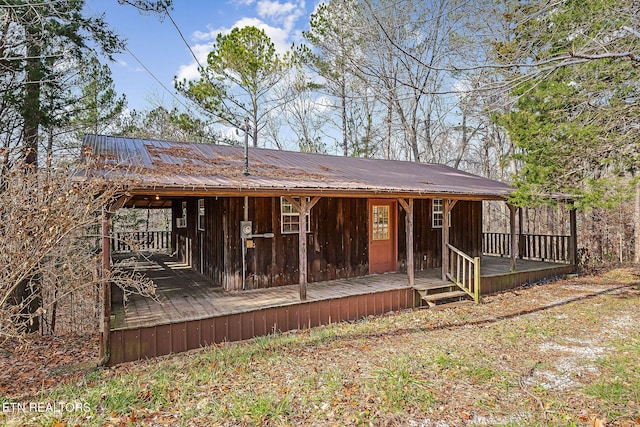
{"x": 333, "y": 42}
{"x": 49, "y": 224}
{"x": 401, "y": 37}
{"x": 305, "y": 115}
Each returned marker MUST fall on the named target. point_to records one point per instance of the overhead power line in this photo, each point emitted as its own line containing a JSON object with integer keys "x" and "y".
{"x": 157, "y": 79}
{"x": 183, "y": 38}
{"x": 203, "y": 73}
{"x": 162, "y": 85}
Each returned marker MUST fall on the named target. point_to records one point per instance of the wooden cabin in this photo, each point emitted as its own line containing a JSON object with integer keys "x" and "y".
{"x": 279, "y": 218}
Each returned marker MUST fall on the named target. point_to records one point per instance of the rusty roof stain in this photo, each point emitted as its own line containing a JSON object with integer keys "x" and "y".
{"x": 182, "y": 165}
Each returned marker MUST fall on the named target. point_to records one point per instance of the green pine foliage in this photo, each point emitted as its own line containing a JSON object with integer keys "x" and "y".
{"x": 572, "y": 120}
{"x": 242, "y": 69}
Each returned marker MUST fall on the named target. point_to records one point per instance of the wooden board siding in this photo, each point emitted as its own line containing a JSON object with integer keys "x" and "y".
{"x": 338, "y": 245}
{"x": 465, "y": 233}
{"x": 338, "y": 241}
{"x": 213, "y": 239}
{"x": 466, "y": 228}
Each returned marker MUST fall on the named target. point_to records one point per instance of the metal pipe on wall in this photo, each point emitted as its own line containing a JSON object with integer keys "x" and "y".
{"x": 244, "y": 245}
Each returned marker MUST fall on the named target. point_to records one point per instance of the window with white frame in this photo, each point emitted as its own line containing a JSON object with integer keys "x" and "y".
{"x": 290, "y": 218}
{"x": 437, "y": 217}
{"x": 201, "y": 214}
{"x": 182, "y": 222}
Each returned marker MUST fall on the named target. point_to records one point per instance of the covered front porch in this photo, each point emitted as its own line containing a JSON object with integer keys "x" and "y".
{"x": 192, "y": 312}
{"x": 299, "y": 220}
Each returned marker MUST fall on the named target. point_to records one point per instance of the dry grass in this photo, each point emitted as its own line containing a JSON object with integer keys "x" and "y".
{"x": 565, "y": 354}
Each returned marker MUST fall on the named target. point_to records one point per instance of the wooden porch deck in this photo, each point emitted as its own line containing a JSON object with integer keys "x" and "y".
{"x": 495, "y": 274}
{"x": 192, "y": 313}
{"x": 184, "y": 294}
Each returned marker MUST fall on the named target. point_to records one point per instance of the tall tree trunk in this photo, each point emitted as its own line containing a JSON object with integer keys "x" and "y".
{"x": 27, "y": 299}
{"x": 254, "y": 134}
{"x": 463, "y": 143}
{"x": 597, "y": 233}
{"x": 31, "y": 110}
{"x": 389, "y": 121}
{"x": 49, "y": 160}
{"x": 636, "y": 228}
{"x": 512, "y": 161}
{"x": 428, "y": 141}
{"x": 343, "y": 96}
{"x": 27, "y": 295}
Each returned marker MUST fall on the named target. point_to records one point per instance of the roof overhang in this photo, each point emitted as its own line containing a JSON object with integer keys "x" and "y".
{"x": 155, "y": 170}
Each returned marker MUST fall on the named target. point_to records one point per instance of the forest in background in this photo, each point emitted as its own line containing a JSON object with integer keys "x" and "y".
{"x": 543, "y": 95}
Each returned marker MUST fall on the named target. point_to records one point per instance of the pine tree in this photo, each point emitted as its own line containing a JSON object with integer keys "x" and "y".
{"x": 242, "y": 69}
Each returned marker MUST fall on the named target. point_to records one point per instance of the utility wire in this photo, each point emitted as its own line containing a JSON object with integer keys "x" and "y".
{"x": 170, "y": 92}
{"x": 184, "y": 39}
{"x": 203, "y": 73}
{"x": 157, "y": 79}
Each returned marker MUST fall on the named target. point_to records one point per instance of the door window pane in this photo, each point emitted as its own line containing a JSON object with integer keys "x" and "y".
{"x": 380, "y": 225}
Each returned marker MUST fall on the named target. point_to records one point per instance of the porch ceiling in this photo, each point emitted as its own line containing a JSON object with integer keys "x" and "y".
{"x": 147, "y": 201}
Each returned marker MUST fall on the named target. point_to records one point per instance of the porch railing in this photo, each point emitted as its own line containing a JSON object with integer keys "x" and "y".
{"x": 131, "y": 241}
{"x": 539, "y": 247}
{"x": 464, "y": 271}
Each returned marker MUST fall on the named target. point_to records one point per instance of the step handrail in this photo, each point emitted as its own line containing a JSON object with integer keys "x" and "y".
{"x": 464, "y": 271}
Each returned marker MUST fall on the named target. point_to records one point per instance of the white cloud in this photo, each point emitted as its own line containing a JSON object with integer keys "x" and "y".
{"x": 461, "y": 86}
{"x": 274, "y": 9}
{"x": 278, "y": 20}
{"x": 190, "y": 71}
{"x": 242, "y": 2}
{"x": 324, "y": 103}
{"x": 279, "y": 36}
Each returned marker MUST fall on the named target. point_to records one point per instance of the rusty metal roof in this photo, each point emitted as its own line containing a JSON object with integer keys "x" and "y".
{"x": 207, "y": 167}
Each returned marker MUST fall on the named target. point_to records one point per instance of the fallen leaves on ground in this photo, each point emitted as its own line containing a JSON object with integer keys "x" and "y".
{"x": 560, "y": 353}
{"x": 37, "y": 363}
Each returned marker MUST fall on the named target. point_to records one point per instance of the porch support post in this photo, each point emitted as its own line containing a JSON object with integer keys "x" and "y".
{"x": 105, "y": 344}
{"x": 446, "y": 208}
{"x": 573, "y": 238}
{"x": 408, "y": 208}
{"x": 107, "y": 214}
{"x": 514, "y": 236}
{"x": 520, "y": 233}
{"x": 303, "y": 208}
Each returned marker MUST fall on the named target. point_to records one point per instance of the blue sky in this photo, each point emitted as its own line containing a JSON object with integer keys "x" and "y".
{"x": 159, "y": 47}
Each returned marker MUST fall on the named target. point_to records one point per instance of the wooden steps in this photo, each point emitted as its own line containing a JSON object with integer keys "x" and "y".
{"x": 440, "y": 292}
{"x": 444, "y": 296}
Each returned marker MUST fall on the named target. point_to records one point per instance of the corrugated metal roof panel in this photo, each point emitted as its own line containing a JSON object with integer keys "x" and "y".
{"x": 179, "y": 164}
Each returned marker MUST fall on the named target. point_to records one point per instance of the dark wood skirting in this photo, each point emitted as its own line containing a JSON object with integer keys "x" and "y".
{"x": 193, "y": 314}
{"x": 145, "y": 342}
{"x": 491, "y": 284}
